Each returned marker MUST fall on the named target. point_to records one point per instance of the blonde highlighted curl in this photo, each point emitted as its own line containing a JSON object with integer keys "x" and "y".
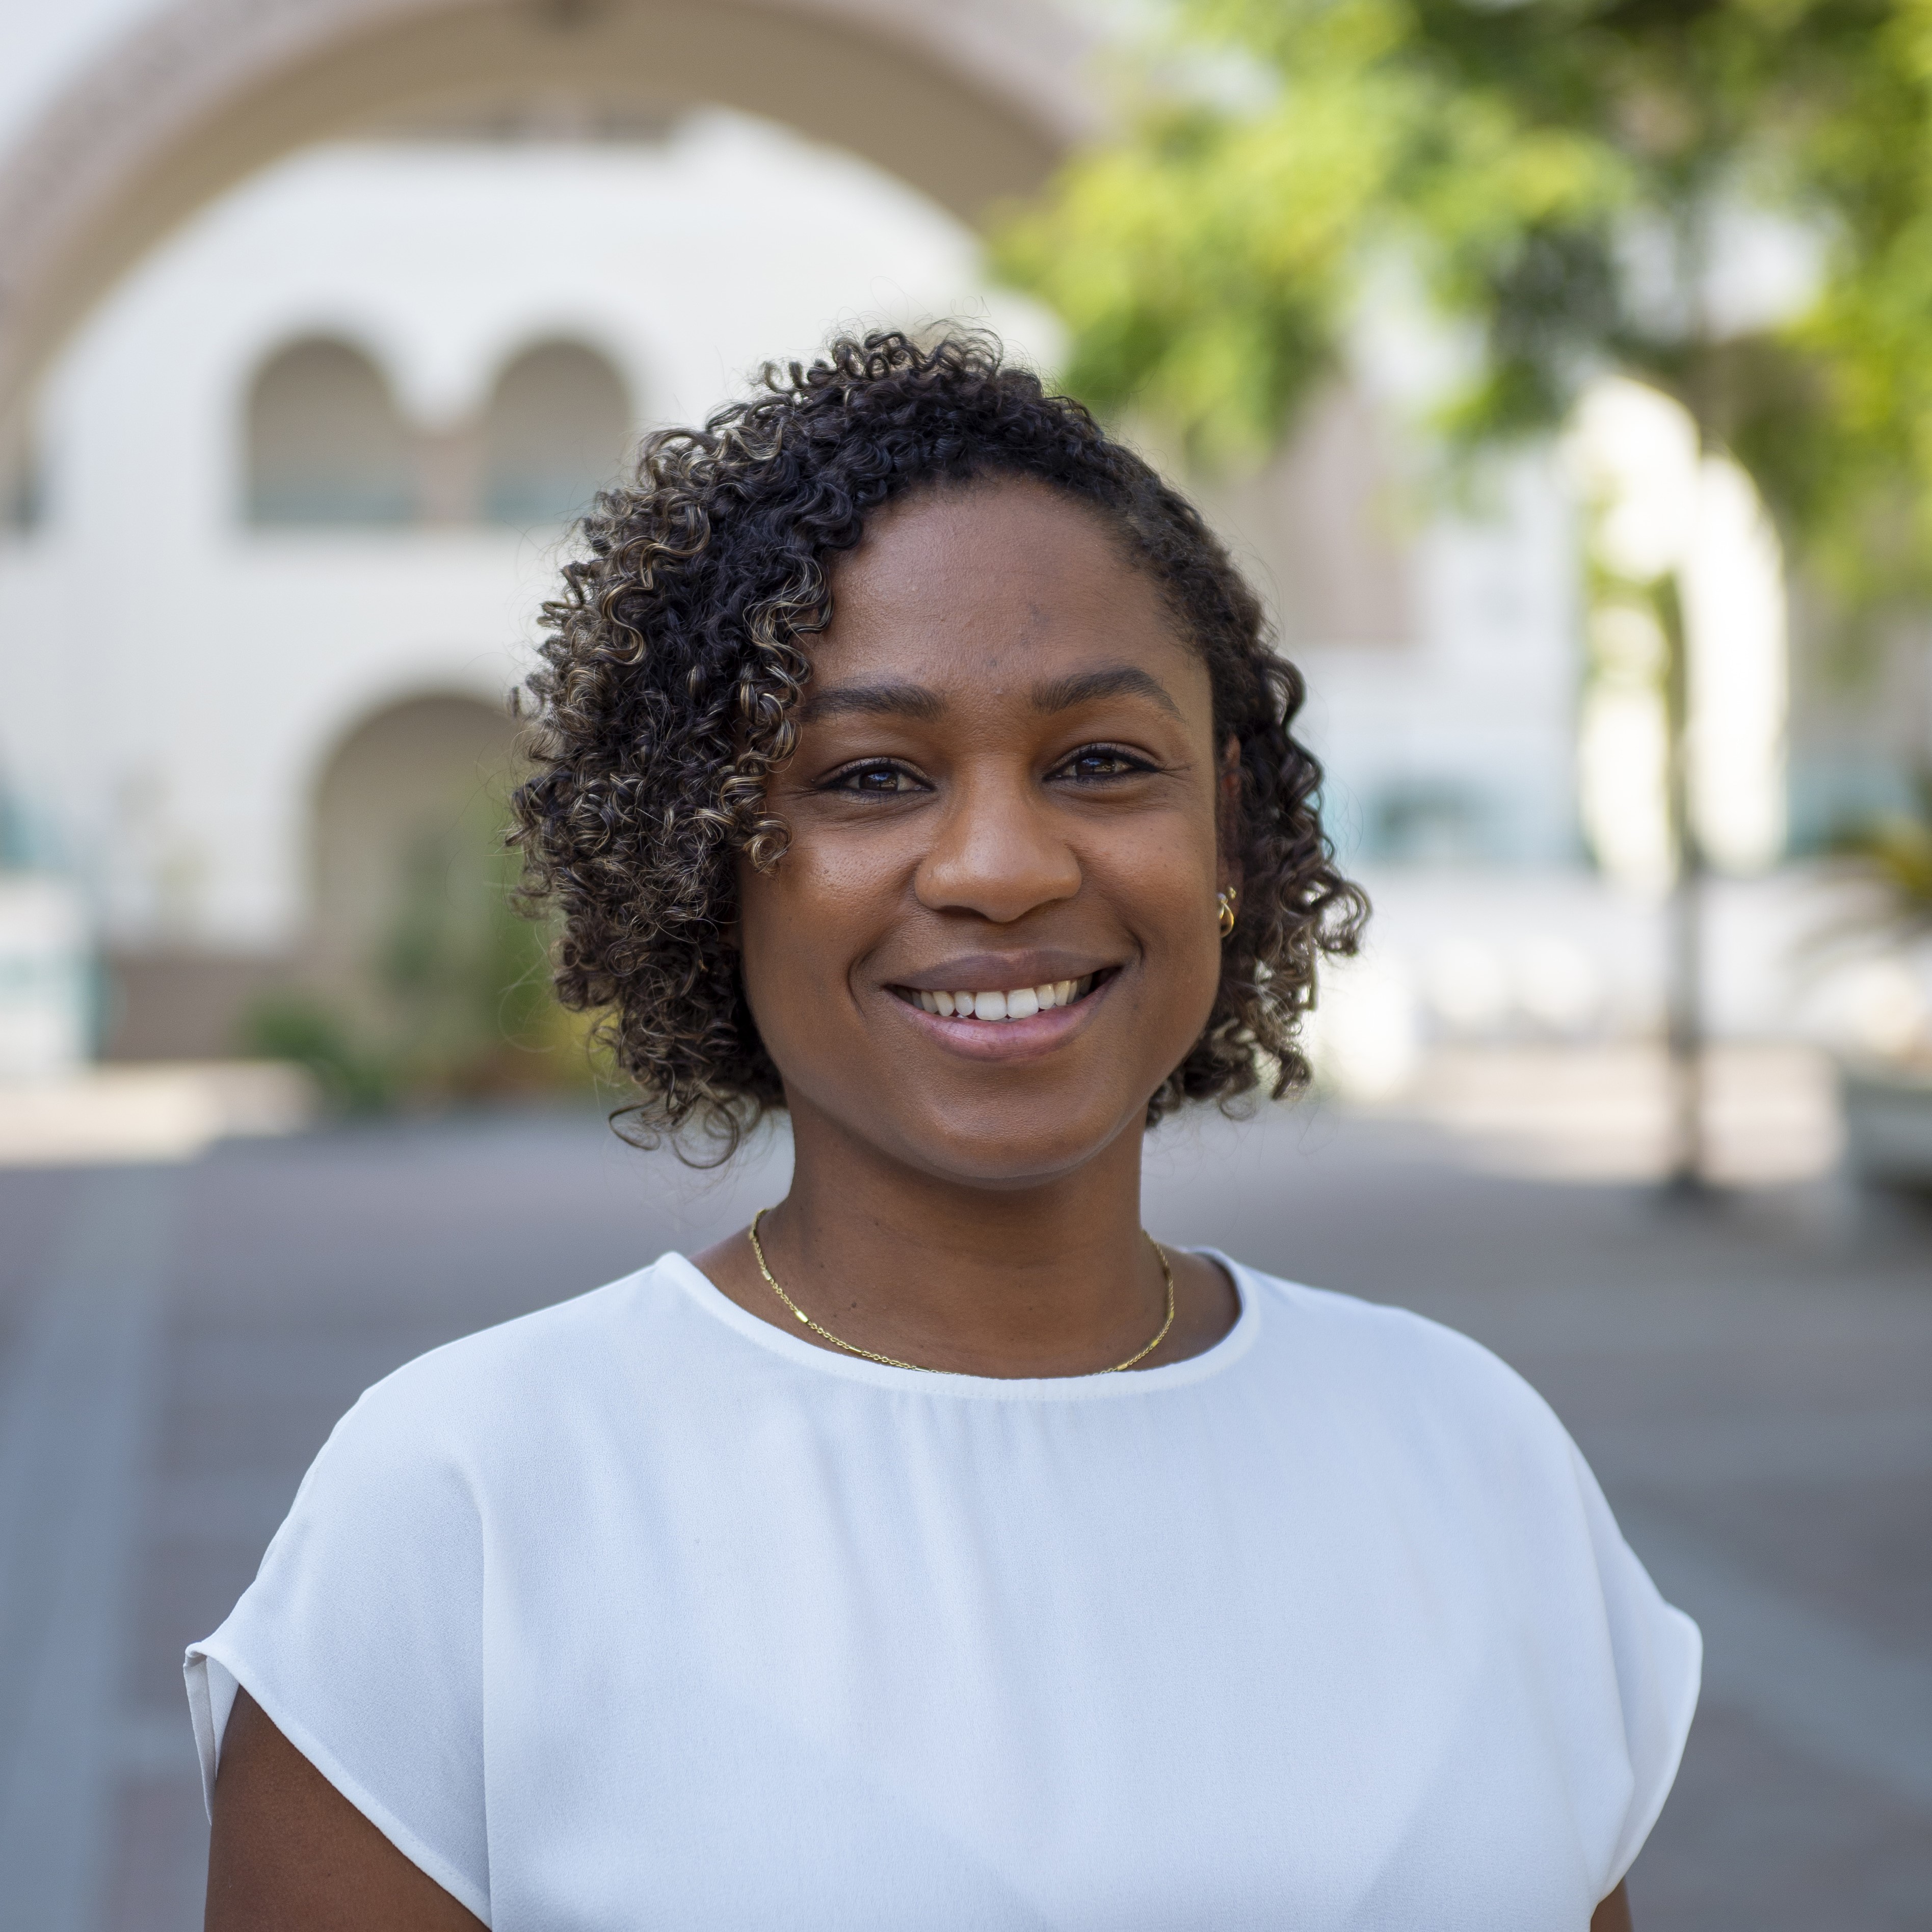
{"x": 674, "y": 660}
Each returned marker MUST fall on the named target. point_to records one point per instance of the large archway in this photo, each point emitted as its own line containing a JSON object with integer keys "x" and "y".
{"x": 966, "y": 100}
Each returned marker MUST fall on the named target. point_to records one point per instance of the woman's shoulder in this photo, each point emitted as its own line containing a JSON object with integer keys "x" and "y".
{"x": 1418, "y": 1409}
{"x": 556, "y": 1357}
{"x": 1384, "y": 1358}
{"x": 1352, "y": 1324}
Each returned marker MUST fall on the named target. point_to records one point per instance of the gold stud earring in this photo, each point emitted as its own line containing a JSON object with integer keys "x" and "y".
{"x": 1224, "y": 901}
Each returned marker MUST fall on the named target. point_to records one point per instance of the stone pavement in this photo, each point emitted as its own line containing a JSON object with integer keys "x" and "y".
{"x": 1754, "y": 1386}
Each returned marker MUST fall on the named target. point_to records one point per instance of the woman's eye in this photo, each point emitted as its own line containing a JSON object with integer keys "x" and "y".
{"x": 876, "y": 781}
{"x": 1103, "y": 761}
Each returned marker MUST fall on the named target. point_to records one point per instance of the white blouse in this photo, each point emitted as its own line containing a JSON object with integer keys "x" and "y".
{"x": 641, "y": 1612}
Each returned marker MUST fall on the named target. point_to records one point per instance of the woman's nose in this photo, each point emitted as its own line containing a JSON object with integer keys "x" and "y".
{"x": 997, "y": 853}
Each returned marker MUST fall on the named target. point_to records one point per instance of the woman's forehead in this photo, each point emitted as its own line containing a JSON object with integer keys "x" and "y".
{"x": 988, "y": 574}
{"x": 943, "y": 520}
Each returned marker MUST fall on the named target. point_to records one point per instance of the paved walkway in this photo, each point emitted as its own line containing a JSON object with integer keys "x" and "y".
{"x": 1754, "y": 1386}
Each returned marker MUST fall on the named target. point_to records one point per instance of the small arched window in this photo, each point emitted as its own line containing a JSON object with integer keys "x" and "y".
{"x": 325, "y": 445}
{"x": 555, "y": 434}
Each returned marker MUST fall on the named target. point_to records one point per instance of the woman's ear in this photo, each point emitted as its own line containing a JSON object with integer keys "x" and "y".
{"x": 1228, "y": 811}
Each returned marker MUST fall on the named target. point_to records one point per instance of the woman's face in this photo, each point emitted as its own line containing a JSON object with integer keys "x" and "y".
{"x": 1006, "y": 783}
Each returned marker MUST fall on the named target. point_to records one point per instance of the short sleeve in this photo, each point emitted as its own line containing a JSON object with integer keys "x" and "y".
{"x": 361, "y": 1638}
{"x": 1658, "y": 1654}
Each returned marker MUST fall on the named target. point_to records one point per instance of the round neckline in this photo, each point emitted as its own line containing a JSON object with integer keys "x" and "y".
{"x": 702, "y": 1291}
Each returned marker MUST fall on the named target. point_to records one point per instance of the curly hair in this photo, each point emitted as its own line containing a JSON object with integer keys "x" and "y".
{"x": 674, "y": 660}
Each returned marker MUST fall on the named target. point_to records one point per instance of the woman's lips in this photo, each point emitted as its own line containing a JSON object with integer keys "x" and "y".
{"x": 1001, "y": 1005}
{"x": 1013, "y": 1036}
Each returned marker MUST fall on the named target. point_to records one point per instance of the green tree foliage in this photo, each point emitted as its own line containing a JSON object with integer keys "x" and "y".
{"x": 1560, "y": 173}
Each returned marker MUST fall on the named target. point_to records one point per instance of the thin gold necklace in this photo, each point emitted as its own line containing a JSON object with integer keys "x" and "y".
{"x": 893, "y": 1362}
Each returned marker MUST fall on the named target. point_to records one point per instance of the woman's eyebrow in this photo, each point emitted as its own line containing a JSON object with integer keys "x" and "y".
{"x": 1062, "y": 694}
{"x": 921, "y": 702}
{"x": 874, "y": 700}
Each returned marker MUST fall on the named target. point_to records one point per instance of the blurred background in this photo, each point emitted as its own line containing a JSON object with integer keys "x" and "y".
{"x": 1561, "y": 370}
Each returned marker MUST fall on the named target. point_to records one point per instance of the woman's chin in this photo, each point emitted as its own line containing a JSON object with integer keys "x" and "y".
{"x": 1012, "y": 1155}
{"x": 1002, "y": 1126}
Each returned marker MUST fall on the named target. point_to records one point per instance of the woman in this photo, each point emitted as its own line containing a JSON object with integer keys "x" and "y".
{"x": 910, "y": 756}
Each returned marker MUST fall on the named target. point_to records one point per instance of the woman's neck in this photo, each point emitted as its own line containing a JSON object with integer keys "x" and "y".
{"x": 1048, "y": 1278}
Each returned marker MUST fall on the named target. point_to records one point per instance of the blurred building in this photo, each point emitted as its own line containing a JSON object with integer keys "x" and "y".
{"x": 273, "y": 529}
{"x": 298, "y": 485}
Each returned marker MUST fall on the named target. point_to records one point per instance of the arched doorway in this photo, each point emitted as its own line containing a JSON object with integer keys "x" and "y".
{"x": 969, "y": 101}
{"x": 418, "y": 971}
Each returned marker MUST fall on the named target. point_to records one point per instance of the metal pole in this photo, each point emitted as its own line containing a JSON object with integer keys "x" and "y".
{"x": 1684, "y": 956}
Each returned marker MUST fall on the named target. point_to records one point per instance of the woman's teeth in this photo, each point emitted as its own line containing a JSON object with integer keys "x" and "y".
{"x": 1020, "y": 1003}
